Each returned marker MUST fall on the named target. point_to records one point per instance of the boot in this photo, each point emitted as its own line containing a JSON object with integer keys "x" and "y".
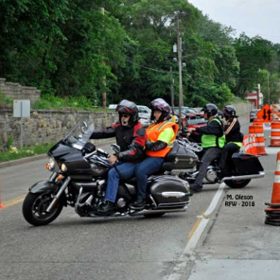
{"x": 107, "y": 208}
{"x": 139, "y": 204}
{"x": 195, "y": 188}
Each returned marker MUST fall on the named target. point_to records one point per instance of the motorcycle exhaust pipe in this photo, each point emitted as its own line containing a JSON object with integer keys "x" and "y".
{"x": 243, "y": 177}
{"x": 140, "y": 213}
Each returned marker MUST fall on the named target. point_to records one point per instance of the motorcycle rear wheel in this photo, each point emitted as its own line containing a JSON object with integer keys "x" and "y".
{"x": 237, "y": 184}
{"x": 34, "y": 208}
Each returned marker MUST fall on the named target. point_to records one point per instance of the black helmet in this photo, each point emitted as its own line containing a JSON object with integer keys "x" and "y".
{"x": 210, "y": 109}
{"x": 130, "y": 108}
{"x": 229, "y": 111}
{"x": 161, "y": 105}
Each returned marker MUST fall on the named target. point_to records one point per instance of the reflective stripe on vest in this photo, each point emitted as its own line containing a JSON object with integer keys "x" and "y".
{"x": 239, "y": 144}
{"x": 153, "y": 133}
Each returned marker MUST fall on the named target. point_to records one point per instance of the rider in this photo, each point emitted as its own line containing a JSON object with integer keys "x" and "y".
{"x": 130, "y": 136}
{"x": 160, "y": 137}
{"x": 233, "y": 137}
{"x": 212, "y": 141}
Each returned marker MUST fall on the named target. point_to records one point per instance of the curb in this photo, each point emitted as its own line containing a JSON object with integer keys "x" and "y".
{"x": 99, "y": 142}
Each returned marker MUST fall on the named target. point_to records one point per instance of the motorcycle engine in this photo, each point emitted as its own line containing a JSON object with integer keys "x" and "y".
{"x": 121, "y": 202}
{"x": 211, "y": 175}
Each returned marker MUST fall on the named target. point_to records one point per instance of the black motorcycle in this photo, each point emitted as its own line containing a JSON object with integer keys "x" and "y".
{"x": 242, "y": 168}
{"x": 78, "y": 179}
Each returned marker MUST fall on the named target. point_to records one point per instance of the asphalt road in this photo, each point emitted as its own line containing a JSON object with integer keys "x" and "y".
{"x": 170, "y": 247}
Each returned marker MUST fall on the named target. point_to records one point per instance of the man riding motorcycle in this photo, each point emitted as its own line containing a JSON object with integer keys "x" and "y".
{"x": 130, "y": 136}
{"x": 212, "y": 141}
{"x": 233, "y": 138}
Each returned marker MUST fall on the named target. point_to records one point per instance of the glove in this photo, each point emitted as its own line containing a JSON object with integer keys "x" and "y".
{"x": 149, "y": 145}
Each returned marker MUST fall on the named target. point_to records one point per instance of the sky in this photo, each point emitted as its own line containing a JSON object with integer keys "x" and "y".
{"x": 253, "y": 17}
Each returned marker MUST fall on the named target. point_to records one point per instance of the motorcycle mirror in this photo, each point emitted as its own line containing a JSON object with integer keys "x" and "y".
{"x": 84, "y": 126}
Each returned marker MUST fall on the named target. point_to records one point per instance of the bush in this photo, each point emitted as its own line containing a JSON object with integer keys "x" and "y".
{"x": 53, "y": 102}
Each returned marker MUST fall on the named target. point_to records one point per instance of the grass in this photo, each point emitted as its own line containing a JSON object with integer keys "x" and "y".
{"x": 55, "y": 102}
{"x": 15, "y": 153}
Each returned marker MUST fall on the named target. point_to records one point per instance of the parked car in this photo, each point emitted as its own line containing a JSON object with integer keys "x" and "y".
{"x": 194, "y": 121}
{"x": 184, "y": 111}
{"x": 144, "y": 114}
{"x": 253, "y": 114}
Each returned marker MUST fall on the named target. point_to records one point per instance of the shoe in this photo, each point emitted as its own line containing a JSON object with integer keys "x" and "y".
{"x": 195, "y": 188}
{"x": 139, "y": 204}
{"x": 107, "y": 208}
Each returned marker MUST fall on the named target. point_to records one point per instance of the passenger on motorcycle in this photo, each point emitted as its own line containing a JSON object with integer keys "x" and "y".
{"x": 160, "y": 137}
{"x": 130, "y": 136}
{"x": 212, "y": 141}
{"x": 233, "y": 138}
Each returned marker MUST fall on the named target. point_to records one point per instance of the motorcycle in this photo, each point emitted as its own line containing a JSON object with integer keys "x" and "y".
{"x": 78, "y": 180}
{"x": 243, "y": 168}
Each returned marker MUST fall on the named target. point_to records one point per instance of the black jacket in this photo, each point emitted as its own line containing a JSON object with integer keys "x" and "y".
{"x": 213, "y": 127}
{"x": 130, "y": 139}
{"x": 232, "y": 131}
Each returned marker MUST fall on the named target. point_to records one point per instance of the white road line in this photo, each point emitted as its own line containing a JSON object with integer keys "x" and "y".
{"x": 196, "y": 233}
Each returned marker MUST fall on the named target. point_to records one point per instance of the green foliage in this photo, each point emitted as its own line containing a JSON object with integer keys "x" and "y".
{"x": 253, "y": 54}
{"x": 77, "y": 50}
{"x": 54, "y": 102}
{"x": 5, "y": 100}
{"x": 14, "y": 153}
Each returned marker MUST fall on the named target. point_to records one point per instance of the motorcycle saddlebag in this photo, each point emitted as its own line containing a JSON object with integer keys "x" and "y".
{"x": 169, "y": 191}
{"x": 246, "y": 164}
{"x": 180, "y": 158}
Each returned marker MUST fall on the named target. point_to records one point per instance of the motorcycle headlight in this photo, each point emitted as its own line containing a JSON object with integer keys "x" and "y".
{"x": 63, "y": 167}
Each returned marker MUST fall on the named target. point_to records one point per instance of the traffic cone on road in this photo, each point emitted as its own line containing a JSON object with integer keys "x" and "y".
{"x": 273, "y": 210}
{"x": 249, "y": 144}
{"x": 258, "y": 130}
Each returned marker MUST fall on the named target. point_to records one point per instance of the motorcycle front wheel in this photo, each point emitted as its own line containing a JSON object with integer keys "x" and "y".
{"x": 237, "y": 184}
{"x": 34, "y": 208}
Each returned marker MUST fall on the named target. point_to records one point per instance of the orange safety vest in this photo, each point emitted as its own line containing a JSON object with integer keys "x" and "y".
{"x": 153, "y": 132}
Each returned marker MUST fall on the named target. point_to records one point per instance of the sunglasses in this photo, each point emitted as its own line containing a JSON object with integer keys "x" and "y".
{"x": 125, "y": 115}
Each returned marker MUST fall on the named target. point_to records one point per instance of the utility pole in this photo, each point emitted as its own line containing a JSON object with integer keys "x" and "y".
{"x": 268, "y": 87}
{"x": 179, "y": 52}
{"x": 172, "y": 89}
{"x": 258, "y": 96}
{"x": 104, "y": 94}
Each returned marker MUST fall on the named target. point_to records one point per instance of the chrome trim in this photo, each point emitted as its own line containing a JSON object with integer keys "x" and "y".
{"x": 153, "y": 201}
{"x": 57, "y": 196}
{"x": 173, "y": 194}
{"x": 53, "y": 176}
{"x": 183, "y": 209}
{"x": 173, "y": 204}
{"x": 243, "y": 177}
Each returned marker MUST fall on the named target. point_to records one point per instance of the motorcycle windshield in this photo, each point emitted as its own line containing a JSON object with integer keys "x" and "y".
{"x": 79, "y": 135}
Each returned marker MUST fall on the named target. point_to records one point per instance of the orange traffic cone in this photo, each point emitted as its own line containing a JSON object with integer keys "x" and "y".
{"x": 273, "y": 211}
{"x": 275, "y": 134}
{"x": 258, "y": 130}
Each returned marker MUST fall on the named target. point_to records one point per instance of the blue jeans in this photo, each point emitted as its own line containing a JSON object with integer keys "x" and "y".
{"x": 125, "y": 171}
{"x": 143, "y": 169}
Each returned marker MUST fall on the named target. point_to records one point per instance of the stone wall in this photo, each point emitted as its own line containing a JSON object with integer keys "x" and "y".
{"x": 45, "y": 126}
{"x": 17, "y": 91}
{"x": 48, "y": 126}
